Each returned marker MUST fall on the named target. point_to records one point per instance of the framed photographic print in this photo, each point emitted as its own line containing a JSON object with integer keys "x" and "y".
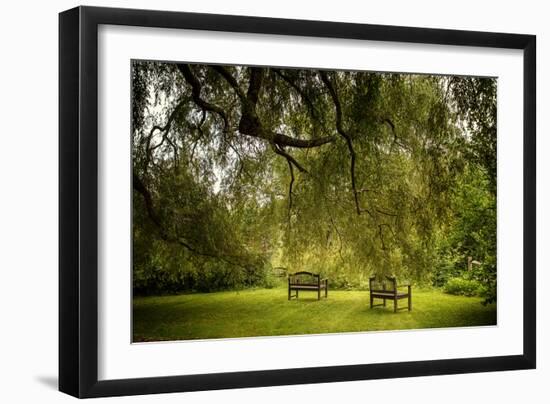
{"x": 251, "y": 201}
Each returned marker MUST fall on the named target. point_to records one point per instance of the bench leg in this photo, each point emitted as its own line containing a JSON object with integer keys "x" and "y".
{"x": 410, "y": 299}
{"x": 296, "y": 293}
{"x": 319, "y": 294}
{"x": 326, "y": 291}
{"x": 395, "y": 305}
{"x": 384, "y": 302}
{"x": 289, "y": 293}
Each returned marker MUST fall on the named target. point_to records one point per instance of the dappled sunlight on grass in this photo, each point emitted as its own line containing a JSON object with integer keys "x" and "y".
{"x": 265, "y": 312}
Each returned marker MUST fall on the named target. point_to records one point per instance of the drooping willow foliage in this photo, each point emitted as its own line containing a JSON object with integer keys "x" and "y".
{"x": 237, "y": 170}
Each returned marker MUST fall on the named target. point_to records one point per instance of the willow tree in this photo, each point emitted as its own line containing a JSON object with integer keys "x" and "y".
{"x": 348, "y": 172}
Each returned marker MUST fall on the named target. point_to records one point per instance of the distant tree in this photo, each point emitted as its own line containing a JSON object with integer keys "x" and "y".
{"x": 475, "y": 99}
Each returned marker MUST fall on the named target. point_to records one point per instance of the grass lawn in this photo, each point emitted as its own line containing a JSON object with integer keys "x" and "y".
{"x": 262, "y": 312}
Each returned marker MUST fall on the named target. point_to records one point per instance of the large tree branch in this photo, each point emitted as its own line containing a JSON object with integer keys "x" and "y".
{"x": 285, "y": 140}
{"x": 280, "y": 151}
{"x": 391, "y": 125}
{"x": 339, "y": 237}
{"x": 291, "y": 162}
{"x": 164, "y": 130}
{"x": 254, "y": 86}
{"x": 189, "y": 247}
{"x": 250, "y": 123}
{"x": 167, "y": 126}
{"x": 303, "y": 95}
{"x": 196, "y": 93}
{"x": 381, "y": 236}
{"x": 344, "y": 134}
{"x": 139, "y": 186}
{"x": 290, "y": 190}
{"x": 226, "y": 74}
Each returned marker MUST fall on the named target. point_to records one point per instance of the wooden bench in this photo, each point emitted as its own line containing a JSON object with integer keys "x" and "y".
{"x": 306, "y": 281}
{"x": 387, "y": 289}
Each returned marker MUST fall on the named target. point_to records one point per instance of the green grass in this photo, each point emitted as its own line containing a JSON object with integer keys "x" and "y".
{"x": 263, "y": 312}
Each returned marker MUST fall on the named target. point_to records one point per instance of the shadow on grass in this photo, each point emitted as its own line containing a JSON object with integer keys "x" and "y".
{"x": 306, "y": 300}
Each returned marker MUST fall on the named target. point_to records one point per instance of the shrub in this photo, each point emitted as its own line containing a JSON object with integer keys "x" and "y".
{"x": 463, "y": 287}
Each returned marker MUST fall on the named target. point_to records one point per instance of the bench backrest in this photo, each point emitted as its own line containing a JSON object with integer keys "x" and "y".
{"x": 303, "y": 278}
{"x": 279, "y": 272}
{"x": 386, "y": 283}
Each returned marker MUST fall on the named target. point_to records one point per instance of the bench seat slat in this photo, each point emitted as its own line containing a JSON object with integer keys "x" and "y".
{"x": 388, "y": 293}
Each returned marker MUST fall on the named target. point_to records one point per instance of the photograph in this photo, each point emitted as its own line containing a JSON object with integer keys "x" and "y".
{"x": 273, "y": 201}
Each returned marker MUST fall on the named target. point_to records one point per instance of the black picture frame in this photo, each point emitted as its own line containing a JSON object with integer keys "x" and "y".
{"x": 78, "y": 201}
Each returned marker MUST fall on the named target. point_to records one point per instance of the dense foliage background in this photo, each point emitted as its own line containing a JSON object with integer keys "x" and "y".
{"x": 243, "y": 174}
